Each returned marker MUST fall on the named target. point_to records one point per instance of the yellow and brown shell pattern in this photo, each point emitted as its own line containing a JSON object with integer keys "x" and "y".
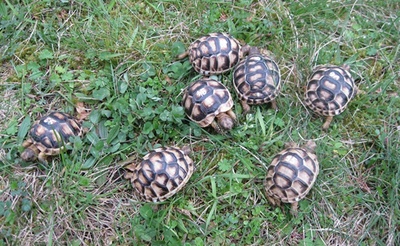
{"x": 48, "y": 135}
{"x": 161, "y": 174}
{"x": 214, "y": 53}
{"x": 257, "y": 79}
{"x": 205, "y": 99}
{"x": 291, "y": 174}
{"x": 329, "y": 90}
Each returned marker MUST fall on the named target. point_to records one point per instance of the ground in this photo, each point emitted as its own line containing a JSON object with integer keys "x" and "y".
{"x": 118, "y": 58}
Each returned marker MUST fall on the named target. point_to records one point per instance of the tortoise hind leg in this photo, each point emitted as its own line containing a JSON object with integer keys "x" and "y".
{"x": 245, "y": 107}
{"x": 274, "y": 106}
{"x": 328, "y": 121}
{"x": 274, "y": 201}
{"x": 293, "y": 209}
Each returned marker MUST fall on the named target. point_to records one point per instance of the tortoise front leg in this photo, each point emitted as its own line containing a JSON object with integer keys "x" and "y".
{"x": 27, "y": 143}
{"x": 232, "y": 115}
{"x": 183, "y": 55}
{"x": 42, "y": 157}
{"x": 216, "y": 126}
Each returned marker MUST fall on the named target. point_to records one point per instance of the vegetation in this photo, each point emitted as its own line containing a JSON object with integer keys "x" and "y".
{"x": 118, "y": 58}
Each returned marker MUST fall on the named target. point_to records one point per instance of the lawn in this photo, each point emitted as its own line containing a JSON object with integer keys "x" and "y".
{"x": 118, "y": 58}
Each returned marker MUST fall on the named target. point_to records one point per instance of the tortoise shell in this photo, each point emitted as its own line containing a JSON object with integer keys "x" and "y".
{"x": 208, "y": 102}
{"x": 215, "y": 53}
{"x": 291, "y": 174}
{"x": 49, "y": 135}
{"x": 329, "y": 90}
{"x": 257, "y": 80}
{"x": 161, "y": 174}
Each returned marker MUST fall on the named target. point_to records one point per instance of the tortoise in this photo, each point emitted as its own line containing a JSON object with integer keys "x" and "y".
{"x": 215, "y": 53}
{"x": 257, "y": 80}
{"x": 209, "y": 103}
{"x": 161, "y": 174}
{"x": 329, "y": 90}
{"x": 291, "y": 174}
{"x": 49, "y": 135}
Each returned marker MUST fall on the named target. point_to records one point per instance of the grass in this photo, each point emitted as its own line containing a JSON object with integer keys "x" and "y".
{"x": 118, "y": 57}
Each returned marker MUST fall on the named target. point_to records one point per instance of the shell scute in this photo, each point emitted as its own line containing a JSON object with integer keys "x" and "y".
{"x": 329, "y": 90}
{"x": 257, "y": 79}
{"x": 50, "y": 134}
{"x": 291, "y": 174}
{"x": 215, "y": 53}
{"x": 162, "y": 173}
{"x": 205, "y": 99}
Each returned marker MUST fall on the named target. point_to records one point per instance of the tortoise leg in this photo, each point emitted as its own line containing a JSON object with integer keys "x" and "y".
{"x": 216, "y": 126}
{"x": 183, "y": 55}
{"x": 328, "y": 121}
{"x": 274, "y": 106}
{"x": 245, "y": 106}
{"x": 232, "y": 115}
{"x": 129, "y": 170}
{"x": 293, "y": 209}
{"x": 274, "y": 202}
{"x": 42, "y": 157}
{"x": 27, "y": 143}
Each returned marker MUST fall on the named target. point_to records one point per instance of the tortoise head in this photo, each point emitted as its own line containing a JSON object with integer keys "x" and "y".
{"x": 186, "y": 150}
{"x": 253, "y": 51}
{"x": 225, "y": 121}
{"x": 29, "y": 154}
{"x": 310, "y": 146}
{"x": 291, "y": 145}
